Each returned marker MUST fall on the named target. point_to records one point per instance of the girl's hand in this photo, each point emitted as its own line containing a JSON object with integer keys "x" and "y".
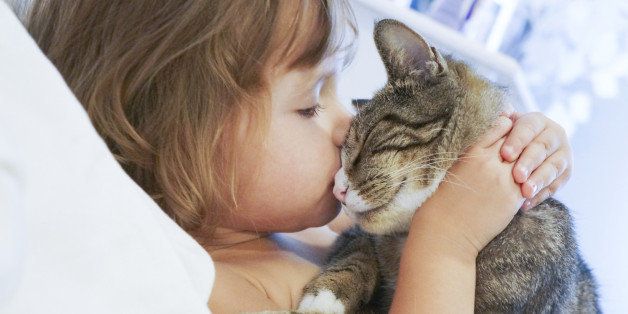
{"x": 542, "y": 153}
{"x": 478, "y": 197}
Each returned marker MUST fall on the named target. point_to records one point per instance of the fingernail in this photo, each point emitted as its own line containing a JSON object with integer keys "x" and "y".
{"x": 508, "y": 150}
{"x": 526, "y": 205}
{"x": 525, "y": 172}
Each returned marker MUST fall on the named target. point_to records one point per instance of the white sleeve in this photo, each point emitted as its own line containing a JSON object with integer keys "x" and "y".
{"x": 77, "y": 235}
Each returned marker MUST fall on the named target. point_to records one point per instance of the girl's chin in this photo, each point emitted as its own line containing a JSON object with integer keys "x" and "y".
{"x": 316, "y": 216}
{"x": 328, "y": 213}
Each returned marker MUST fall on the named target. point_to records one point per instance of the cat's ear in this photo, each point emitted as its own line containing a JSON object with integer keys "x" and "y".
{"x": 405, "y": 52}
{"x": 358, "y": 104}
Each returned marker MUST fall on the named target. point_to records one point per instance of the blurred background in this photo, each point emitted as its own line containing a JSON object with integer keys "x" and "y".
{"x": 565, "y": 58}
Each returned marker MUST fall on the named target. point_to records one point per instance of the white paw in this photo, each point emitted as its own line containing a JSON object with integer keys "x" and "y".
{"x": 323, "y": 302}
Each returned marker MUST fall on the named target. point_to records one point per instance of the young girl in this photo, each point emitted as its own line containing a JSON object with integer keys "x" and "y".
{"x": 226, "y": 113}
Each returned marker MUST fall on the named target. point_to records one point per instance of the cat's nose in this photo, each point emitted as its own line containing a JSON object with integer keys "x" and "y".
{"x": 340, "y": 193}
{"x": 340, "y": 185}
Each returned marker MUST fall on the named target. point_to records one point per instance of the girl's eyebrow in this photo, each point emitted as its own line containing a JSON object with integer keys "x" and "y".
{"x": 319, "y": 77}
{"x": 315, "y": 78}
{"x": 304, "y": 88}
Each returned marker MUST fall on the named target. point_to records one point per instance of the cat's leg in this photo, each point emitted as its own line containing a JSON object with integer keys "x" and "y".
{"x": 348, "y": 279}
{"x": 587, "y": 290}
{"x": 532, "y": 266}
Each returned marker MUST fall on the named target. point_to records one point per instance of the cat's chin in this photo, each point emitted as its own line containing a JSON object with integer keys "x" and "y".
{"x": 384, "y": 220}
{"x": 395, "y": 217}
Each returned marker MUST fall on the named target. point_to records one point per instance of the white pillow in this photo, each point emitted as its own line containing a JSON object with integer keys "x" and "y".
{"x": 77, "y": 235}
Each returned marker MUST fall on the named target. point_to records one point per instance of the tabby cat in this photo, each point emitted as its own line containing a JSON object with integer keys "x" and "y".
{"x": 397, "y": 151}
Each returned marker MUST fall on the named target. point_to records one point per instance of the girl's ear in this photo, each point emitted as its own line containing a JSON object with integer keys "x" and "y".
{"x": 358, "y": 104}
{"x": 405, "y": 52}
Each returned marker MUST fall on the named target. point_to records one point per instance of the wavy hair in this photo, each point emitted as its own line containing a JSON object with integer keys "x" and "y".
{"x": 166, "y": 83}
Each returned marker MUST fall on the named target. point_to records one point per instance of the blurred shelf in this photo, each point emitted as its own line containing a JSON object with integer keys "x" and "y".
{"x": 500, "y": 68}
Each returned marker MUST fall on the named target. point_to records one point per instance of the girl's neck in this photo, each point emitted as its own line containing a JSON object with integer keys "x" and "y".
{"x": 311, "y": 244}
{"x": 224, "y": 238}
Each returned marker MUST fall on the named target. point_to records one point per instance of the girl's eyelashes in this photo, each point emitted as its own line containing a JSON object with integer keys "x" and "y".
{"x": 311, "y": 111}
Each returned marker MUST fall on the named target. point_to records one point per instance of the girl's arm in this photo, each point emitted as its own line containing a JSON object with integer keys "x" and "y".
{"x": 437, "y": 271}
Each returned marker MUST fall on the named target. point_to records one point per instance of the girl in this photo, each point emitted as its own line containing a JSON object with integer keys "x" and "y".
{"x": 226, "y": 113}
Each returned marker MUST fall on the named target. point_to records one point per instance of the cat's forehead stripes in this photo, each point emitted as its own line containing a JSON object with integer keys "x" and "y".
{"x": 411, "y": 123}
{"x": 392, "y": 133}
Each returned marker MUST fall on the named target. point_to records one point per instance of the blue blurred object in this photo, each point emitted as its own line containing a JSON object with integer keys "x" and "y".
{"x": 485, "y": 21}
{"x": 453, "y": 13}
{"x": 421, "y": 5}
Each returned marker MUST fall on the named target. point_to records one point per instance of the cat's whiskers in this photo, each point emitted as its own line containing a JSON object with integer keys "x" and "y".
{"x": 369, "y": 171}
{"x": 420, "y": 159}
{"x": 413, "y": 167}
{"x": 403, "y": 171}
{"x": 430, "y": 166}
{"x": 431, "y": 180}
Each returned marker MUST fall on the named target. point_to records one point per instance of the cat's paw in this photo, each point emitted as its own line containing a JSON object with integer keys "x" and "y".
{"x": 323, "y": 301}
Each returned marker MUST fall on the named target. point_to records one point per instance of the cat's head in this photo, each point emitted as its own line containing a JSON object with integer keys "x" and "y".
{"x": 403, "y": 140}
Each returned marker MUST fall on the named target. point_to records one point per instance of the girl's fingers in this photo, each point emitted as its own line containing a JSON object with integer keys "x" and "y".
{"x": 500, "y": 128}
{"x": 546, "y": 174}
{"x": 526, "y": 128}
{"x": 546, "y": 144}
{"x": 516, "y": 115}
{"x": 547, "y": 191}
{"x": 512, "y": 114}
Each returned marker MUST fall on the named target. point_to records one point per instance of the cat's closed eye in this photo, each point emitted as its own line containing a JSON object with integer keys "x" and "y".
{"x": 393, "y": 134}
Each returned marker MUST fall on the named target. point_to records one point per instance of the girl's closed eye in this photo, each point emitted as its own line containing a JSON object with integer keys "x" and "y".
{"x": 311, "y": 111}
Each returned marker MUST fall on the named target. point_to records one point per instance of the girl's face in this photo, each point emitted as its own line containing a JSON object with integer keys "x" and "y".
{"x": 296, "y": 165}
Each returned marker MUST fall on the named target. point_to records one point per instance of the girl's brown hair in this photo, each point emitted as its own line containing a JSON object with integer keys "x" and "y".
{"x": 166, "y": 83}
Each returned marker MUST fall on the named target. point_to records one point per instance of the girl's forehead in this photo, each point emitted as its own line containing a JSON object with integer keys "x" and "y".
{"x": 328, "y": 67}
